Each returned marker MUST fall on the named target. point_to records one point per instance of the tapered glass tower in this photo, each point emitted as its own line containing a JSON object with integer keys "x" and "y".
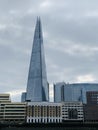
{"x": 37, "y": 86}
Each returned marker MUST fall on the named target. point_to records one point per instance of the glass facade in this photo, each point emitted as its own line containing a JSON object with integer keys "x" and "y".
{"x": 37, "y": 86}
{"x": 23, "y": 97}
{"x": 73, "y": 92}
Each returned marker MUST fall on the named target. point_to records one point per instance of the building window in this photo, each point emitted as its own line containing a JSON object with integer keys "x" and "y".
{"x": 72, "y": 113}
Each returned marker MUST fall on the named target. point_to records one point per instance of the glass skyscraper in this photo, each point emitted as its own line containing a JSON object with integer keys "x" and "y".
{"x": 37, "y": 86}
{"x": 75, "y": 92}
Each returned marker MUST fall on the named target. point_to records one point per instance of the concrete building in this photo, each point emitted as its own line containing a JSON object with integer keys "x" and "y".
{"x": 44, "y": 112}
{"x": 72, "y": 111}
{"x": 11, "y": 112}
{"x": 37, "y": 86}
{"x": 5, "y": 98}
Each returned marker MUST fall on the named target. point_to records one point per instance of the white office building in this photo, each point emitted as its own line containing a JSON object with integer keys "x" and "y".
{"x": 72, "y": 111}
{"x": 44, "y": 112}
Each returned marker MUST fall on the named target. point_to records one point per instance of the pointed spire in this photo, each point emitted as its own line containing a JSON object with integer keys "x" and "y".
{"x": 38, "y": 29}
{"x": 37, "y": 88}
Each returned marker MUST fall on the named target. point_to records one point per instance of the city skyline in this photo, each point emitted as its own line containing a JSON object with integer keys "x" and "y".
{"x": 70, "y": 40}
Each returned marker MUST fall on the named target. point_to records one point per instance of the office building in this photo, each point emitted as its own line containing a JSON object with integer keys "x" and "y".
{"x": 5, "y": 98}
{"x": 91, "y": 107}
{"x": 77, "y": 91}
{"x": 23, "y": 97}
{"x": 37, "y": 86}
{"x": 44, "y": 112}
{"x": 92, "y": 97}
{"x": 72, "y": 111}
{"x": 11, "y": 112}
{"x": 59, "y": 92}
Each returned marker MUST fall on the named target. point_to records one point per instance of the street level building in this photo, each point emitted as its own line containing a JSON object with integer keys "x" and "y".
{"x": 11, "y": 112}
{"x": 72, "y": 111}
{"x": 44, "y": 112}
{"x": 5, "y": 98}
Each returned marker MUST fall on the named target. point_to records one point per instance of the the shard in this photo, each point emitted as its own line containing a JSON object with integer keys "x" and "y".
{"x": 37, "y": 86}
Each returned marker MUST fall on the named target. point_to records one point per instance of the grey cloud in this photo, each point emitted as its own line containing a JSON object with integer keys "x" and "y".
{"x": 70, "y": 39}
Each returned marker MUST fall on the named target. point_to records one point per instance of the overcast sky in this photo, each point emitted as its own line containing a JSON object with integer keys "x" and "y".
{"x": 70, "y": 29}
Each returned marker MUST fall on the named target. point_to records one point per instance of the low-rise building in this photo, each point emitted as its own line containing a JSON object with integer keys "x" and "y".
{"x": 11, "y": 112}
{"x": 72, "y": 111}
{"x": 5, "y": 98}
{"x": 44, "y": 112}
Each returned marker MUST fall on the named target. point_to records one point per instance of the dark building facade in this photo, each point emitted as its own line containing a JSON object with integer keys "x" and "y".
{"x": 92, "y": 97}
{"x": 91, "y": 108}
{"x": 90, "y": 112}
